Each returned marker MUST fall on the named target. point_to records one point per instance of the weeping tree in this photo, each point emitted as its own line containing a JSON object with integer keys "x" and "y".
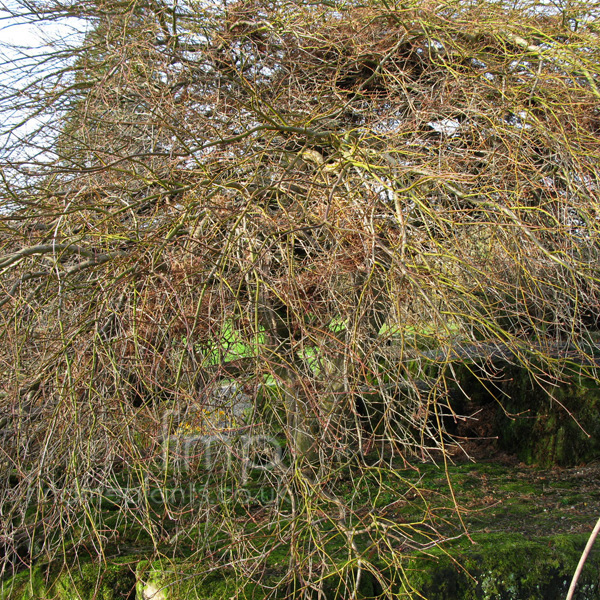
{"x": 307, "y": 206}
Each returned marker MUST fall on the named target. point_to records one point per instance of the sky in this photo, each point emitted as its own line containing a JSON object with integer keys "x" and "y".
{"x": 22, "y": 42}
{"x": 23, "y": 32}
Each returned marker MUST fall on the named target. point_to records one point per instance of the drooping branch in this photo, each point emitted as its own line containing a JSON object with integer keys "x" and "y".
{"x": 94, "y": 259}
{"x": 56, "y": 249}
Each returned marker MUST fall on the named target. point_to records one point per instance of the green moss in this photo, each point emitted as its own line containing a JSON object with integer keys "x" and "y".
{"x": 520, "y": 487}
{"x": 181, "y": 580}
{"x": 561, "y": 425}
{"x": 97, "y": 581}
{"x": 83, "y": 580}
{"x": 502, "y": 565}
{"x": 506, "y": 566}
{"x": 515, "y": 514}
{"x": 24, "y": 586}
{"x": 545, "y": 424}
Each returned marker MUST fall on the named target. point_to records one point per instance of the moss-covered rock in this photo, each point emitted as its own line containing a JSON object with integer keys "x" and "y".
{"x": 25, "y": 586}
{"x": 559, "y": 424}
{"x": 543, "y": 423}
{"x": 507, "y": 567}
{"x": 83, "y": 580}
{"x": 497, "y": 566}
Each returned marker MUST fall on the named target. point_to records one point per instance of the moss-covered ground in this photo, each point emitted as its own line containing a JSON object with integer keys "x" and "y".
{"x": 522, "y": 532}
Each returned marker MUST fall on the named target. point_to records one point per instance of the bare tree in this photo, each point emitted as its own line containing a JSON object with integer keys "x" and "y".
{"x": 322, "y": 206}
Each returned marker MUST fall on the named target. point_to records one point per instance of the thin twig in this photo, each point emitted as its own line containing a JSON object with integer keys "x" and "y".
{"x": 582, "y": 560}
